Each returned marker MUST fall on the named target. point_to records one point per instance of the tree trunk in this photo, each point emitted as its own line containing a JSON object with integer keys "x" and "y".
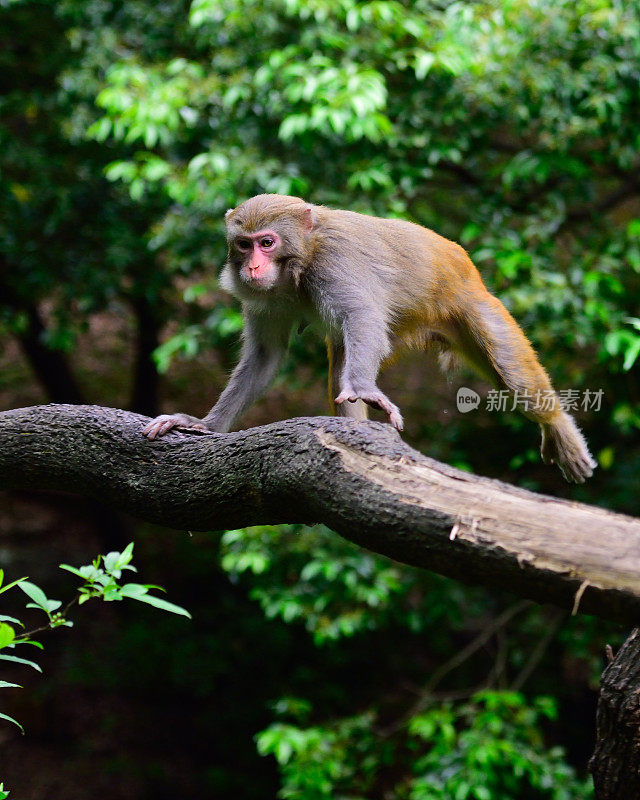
{"x": 615, "y": 764}
{"x": 50, "y": 367}
{"x": 144, "y": 394}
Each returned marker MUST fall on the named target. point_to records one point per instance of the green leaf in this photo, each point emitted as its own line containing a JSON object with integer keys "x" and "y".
{"x": 100, "y": 129}
{"x": 35, "y": 593}
{"x": 7, "y": 635}
{"x": 73, "y": 570}
{"x": 158, "y": 602}
{"x": 11, "y": 585}
{"x": 126, "y": 555}
{"x": 424, "y": 62}
{"x": 15, "y": 620}
{"x": 120, "y": 170}
{"x": 17, "y": 660}
{"x": 133, "y": 590}
{"x": 15, "y": 722}
{"x": 29, "y": 641}
{"x": 631, "y": 355}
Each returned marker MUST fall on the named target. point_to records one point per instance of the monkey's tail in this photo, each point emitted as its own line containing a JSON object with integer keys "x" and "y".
{"x": 564, "y": 445}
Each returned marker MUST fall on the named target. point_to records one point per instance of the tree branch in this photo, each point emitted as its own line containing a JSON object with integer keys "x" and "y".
{"x": 358, "y": 478}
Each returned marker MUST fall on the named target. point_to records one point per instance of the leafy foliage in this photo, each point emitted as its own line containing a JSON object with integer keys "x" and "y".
{"x": 489, "y": 748}
{"x": 337, "y": 590}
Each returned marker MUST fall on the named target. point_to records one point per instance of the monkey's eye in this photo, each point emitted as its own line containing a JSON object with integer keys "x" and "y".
{"x": 244, "y": 244}
{"x": 267, "y": 242}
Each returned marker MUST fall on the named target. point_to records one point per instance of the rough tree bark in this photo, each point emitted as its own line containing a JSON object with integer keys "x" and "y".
{"x": 360, "y": 479}
{"x": 615, "y": 764}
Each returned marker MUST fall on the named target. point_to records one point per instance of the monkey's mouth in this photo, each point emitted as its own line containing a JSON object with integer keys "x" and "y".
{"x": 259, "y": 279}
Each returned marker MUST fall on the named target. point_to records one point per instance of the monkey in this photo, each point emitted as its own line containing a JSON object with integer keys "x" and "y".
{"x": 372, "y": 285}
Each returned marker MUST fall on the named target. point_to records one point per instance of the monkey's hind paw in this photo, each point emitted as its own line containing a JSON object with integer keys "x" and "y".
{"x": 166, "y": 422}
{"x": 376, "y": 399}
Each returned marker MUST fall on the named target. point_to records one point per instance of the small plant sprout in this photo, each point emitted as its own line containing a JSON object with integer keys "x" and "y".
{"x": 101, "y": 579}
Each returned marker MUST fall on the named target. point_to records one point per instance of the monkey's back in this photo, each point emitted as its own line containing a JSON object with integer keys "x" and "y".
{"x": 411, "y": 265}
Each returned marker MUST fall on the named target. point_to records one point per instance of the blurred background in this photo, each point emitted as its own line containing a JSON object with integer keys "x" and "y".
{"x": 311, "y": 668}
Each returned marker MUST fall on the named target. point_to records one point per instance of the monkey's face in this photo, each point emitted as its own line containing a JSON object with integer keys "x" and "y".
{"x": 269, "y": 239}
{"x": 256, "y": 257}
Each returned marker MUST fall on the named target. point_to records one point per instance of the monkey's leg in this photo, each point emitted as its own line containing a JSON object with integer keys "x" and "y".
{"x": 357, "y": 410}
{"x": 366, "y": 344}
{"x": 491, "y": 340}
{"x": 261, "y": 355}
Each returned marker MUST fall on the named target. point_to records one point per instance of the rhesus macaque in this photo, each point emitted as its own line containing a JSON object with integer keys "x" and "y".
{"x": 373, "y": 285}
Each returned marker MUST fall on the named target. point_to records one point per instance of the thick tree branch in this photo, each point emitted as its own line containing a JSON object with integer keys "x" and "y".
{"x": 358, "y": 478}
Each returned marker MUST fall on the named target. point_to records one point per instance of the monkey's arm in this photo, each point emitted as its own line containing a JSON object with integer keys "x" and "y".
{"x": 263, "y": 347}
{"x": 262, "y": 351}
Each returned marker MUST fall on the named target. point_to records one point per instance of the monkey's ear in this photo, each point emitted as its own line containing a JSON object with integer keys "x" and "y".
{"x": 308, "y": 219}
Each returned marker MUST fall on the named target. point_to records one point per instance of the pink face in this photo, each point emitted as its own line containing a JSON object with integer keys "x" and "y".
{"x": 259, "y": 249}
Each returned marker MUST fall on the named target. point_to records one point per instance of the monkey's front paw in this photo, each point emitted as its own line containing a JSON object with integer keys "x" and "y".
{"x": 166, "y": 422}
{"x": 376, "y": 399}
